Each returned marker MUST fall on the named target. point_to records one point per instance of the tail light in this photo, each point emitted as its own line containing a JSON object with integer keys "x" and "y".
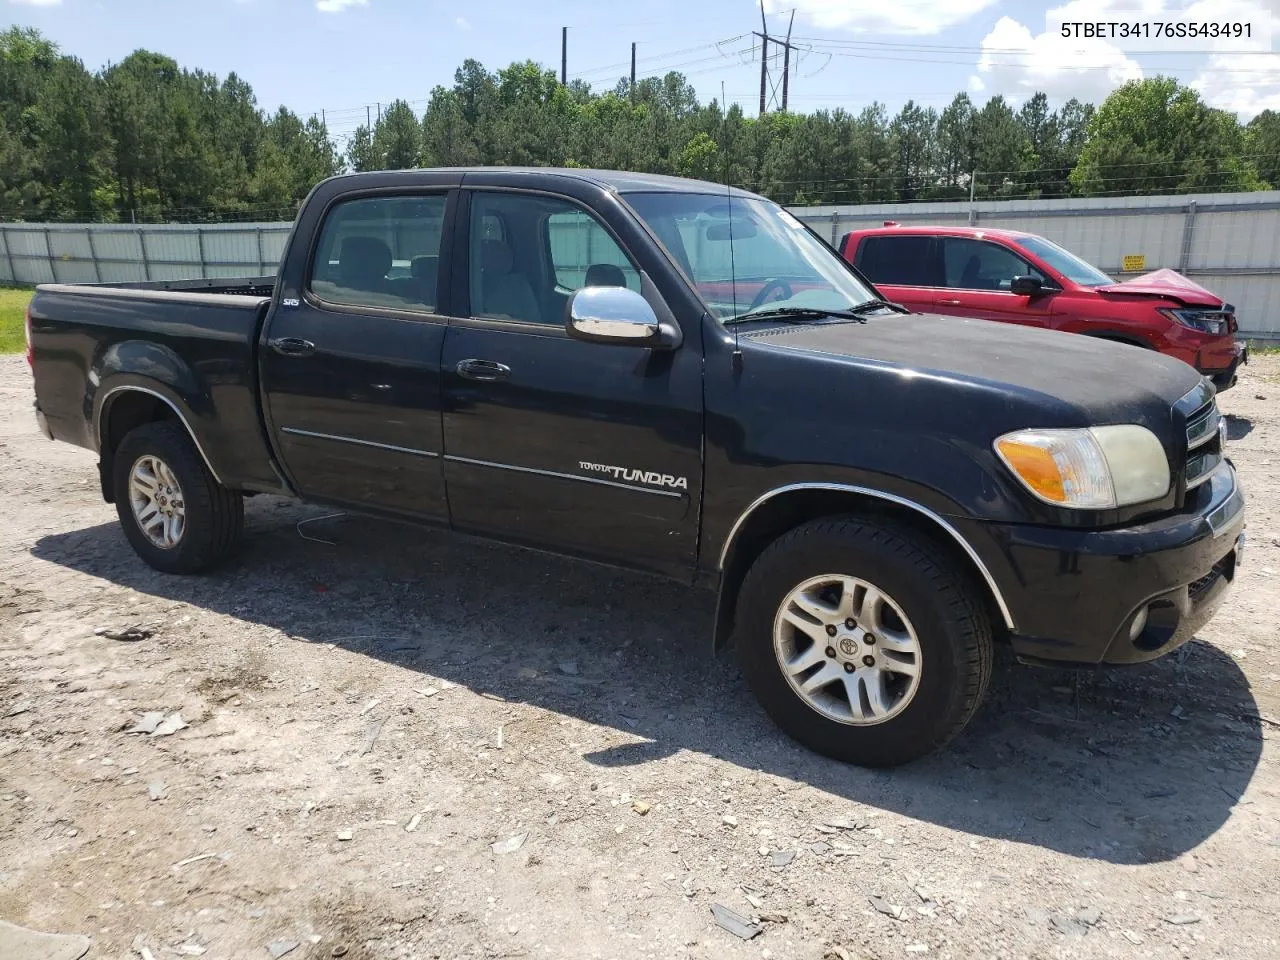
{"x": 31, "y": 356}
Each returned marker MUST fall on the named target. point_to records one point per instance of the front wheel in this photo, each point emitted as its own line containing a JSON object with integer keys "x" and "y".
{"x": 862, "y": 641}
{"x": 177, "y": 517}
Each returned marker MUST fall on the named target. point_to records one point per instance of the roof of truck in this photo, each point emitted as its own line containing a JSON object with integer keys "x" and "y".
{"x": 938, "y": 230}
{"x": 620, "y": 181}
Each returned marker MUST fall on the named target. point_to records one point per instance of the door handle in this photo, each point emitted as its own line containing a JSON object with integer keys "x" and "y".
{"x": 950, "y": 303}
{"x": 292, "y": 346}
{"x": 484, "y": 370}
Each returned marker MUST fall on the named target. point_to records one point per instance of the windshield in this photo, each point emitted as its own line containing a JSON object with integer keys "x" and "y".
{"x": 760, "y": 258}
{"x": 1065, "y": 262}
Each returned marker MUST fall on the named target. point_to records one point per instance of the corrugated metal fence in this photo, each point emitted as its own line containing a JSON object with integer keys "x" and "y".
{"x": 99, "y": 252}
{"x": 1230, "y": 243}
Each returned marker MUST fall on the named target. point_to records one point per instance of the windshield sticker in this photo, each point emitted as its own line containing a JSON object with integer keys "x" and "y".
{"x": 789, "y": 220}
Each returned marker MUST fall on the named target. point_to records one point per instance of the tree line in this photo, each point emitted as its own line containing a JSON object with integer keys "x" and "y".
{"x": 148, "y": 140}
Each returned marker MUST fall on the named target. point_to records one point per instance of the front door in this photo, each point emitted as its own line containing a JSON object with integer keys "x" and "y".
{"x": 588, "y": 448}
{"x": 351, "y": 369}
{"x": 977, "y": 275}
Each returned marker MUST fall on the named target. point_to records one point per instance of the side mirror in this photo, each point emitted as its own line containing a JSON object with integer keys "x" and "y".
{"x": 1026, "y": 286}
{"x": 617, "y": 315}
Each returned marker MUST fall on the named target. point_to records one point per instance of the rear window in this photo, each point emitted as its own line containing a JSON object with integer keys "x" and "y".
{"x": 381, "y": 252}
{"x": 896, "y": 261}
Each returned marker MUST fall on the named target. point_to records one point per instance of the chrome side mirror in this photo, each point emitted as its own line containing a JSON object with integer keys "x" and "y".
{"x": 616, "y": 315}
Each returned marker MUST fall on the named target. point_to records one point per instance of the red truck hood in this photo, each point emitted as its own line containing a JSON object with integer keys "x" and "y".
{"x": 1166, "y": 283}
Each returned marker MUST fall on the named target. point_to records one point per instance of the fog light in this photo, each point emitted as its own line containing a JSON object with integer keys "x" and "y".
{"x": 1139, "y": 624}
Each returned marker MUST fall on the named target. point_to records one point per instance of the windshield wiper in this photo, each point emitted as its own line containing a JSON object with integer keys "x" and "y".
{"x": 794, "y": 315}
{"x": 875, "y": 303}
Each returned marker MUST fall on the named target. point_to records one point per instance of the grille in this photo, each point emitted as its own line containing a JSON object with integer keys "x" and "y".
{"x": 1205, "y": 435}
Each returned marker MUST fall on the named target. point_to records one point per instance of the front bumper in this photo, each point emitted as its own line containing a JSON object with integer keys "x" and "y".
{"x": 1076, "y": 596}
{"x": 1224, "y": 378}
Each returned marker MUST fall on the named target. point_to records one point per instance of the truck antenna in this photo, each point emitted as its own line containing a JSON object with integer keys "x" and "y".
{"x": 728, "y": 190}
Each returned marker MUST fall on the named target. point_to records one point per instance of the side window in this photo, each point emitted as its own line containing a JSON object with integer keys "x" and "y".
{"x": 896, "y": 261}
{"x": 381, "y": 252}
{"x": 583, "y": 254}
{"x": 529, "y": 253}
{"x": 982, "y": 265}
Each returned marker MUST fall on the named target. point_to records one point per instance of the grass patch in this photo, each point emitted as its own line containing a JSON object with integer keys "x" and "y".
{"x": 13, "y": 307}
{"x": 1264, "y": 348}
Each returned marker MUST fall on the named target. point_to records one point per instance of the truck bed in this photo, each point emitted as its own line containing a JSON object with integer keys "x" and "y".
{"x": 190, "y": 344}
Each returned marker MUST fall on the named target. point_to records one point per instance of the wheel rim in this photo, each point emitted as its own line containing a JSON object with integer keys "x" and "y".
{"x": 158, "y": 505}
{"x": 847, "y": 649}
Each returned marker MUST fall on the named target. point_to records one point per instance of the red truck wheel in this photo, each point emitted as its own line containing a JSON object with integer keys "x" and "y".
{"x": 176, "y": 516}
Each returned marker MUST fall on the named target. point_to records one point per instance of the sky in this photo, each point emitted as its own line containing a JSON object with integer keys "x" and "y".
{"x": 343, "y": 56}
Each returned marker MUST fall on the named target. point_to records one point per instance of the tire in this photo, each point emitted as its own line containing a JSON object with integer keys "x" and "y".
{"x": 213, "y": 516}
{"x": 927, "y": 601}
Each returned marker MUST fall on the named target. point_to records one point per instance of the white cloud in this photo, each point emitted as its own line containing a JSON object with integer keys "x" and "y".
{"x": 1243, "y": 85}
{"x": 882, "y": 16}
{"x": 337, "y": 6}
{"x": 36, "y": 3}
{"x": 1017, "y": 64}
{"x": 463, "y": 23}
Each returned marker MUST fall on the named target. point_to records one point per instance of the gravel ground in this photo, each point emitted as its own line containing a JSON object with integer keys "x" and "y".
{"x": 371, "y": 710}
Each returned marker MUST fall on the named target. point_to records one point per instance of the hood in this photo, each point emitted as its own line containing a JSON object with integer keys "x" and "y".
{"x": 1084, "y": 379}
{"x": 1168, "y": 284}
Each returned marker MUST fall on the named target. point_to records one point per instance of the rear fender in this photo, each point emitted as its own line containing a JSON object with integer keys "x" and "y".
{"x": 126, "y": 373}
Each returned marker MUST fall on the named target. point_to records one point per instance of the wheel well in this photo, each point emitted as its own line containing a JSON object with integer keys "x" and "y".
{"x": 787, "y": 511}
{"x": 128, "y": 409}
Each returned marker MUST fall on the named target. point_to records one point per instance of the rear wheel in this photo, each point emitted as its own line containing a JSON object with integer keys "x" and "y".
{"x": 862, "y": 642}
{"x": 176, "y": 516}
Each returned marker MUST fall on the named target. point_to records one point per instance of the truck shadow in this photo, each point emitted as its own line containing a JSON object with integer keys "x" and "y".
{"x": 1130, "y": 766}
{"x": 1237, "y": 427}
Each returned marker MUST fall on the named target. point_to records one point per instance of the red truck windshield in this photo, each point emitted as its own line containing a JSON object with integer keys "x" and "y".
{"x": 748, "y": 255}
{"x": 1065, "y": 262}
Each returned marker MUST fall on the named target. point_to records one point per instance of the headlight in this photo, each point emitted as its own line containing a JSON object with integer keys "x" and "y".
{"x": 1098, "y": 468}
{"x": 1206, "y": 321}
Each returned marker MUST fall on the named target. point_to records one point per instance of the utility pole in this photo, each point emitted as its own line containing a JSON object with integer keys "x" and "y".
{"x": 764, "y": 56}
{"x": 633, "y": 72}
{"x": 368, "y": 118}
{"x": 564, "y": 56}
{"x": 786, "y": 61}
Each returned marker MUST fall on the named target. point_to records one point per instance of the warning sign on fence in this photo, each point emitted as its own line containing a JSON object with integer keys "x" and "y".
{"x": 1135, "y": 261}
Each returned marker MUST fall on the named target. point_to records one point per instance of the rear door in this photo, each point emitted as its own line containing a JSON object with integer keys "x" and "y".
{"x": 585, "y": 448}
{"x": 351, "y": 368}
{"x": 976, "y": 277}
{"x": 902, "y": 266}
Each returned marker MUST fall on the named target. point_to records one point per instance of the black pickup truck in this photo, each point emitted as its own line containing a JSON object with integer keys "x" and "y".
{"x": 680, "y": 378}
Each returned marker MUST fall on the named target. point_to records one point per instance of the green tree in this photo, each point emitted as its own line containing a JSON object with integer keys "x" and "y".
{"x": 957, "y": 146}
{"x": 700, "y": 159}
{"x": 397, "y": 138}
{"x": 1000, "y": 154}
{"x": 1262, "y": 145}
{"x": 914, "y": 132}
{"x": 1153, "y": 136}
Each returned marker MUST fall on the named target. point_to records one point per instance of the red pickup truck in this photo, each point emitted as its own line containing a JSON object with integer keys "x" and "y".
{"x": 1021, "y": 278}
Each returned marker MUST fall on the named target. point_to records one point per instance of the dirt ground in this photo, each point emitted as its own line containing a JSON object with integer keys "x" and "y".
{"x": 367, "y": 716}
